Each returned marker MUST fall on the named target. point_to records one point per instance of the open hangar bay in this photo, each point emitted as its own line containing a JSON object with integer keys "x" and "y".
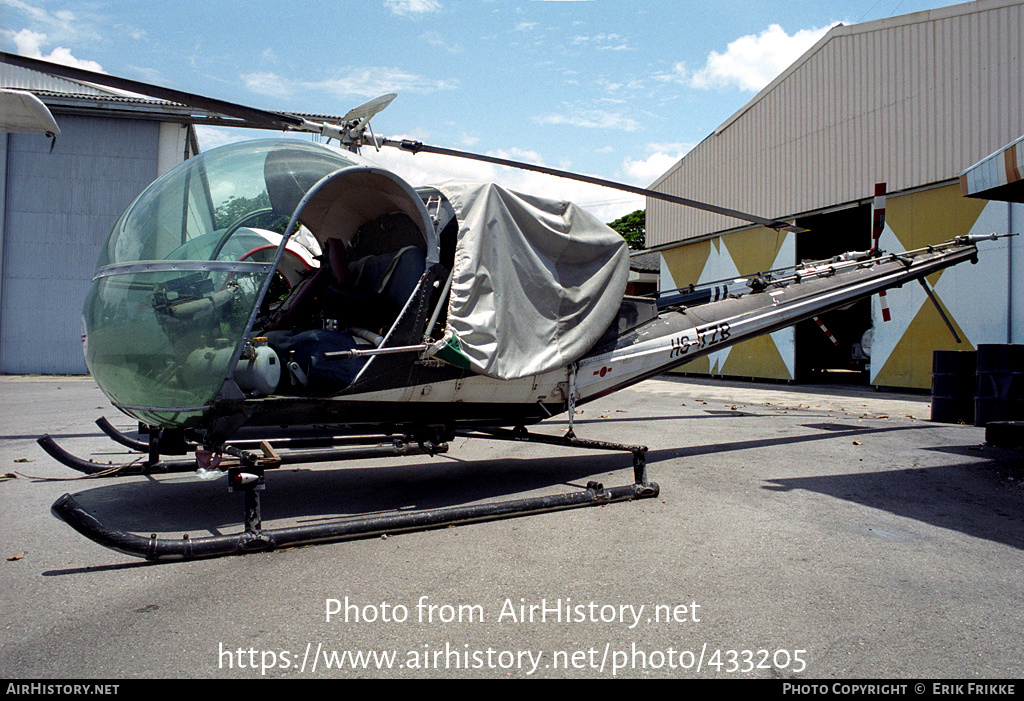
{"x": 841, "y": 534}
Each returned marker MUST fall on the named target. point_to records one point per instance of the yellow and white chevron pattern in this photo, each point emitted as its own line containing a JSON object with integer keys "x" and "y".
{"x": 725, "y": 258}
{"x": 976, "y": 297}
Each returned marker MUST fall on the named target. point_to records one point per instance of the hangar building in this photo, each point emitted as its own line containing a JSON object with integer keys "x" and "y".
{"x": 57, "y": 207}
{"x": 59, "y": 201}
{"x": 911, "y": 101}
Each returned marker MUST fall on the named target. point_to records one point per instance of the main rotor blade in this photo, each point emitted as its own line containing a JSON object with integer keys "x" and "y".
{"x": 417, "y": 147}
{"x": 258, "y": 117}
{"x": 275, "y": 120}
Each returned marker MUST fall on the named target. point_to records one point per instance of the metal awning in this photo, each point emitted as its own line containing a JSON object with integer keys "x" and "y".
{"x": 998, "y": 176}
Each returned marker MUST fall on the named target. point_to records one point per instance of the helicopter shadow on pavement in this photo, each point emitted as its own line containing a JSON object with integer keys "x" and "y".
{"x": 340, "y": 491}
{"x": 981, "y": 498}
{"x": 185, "y": 504}
{"x": 830, "y": 432}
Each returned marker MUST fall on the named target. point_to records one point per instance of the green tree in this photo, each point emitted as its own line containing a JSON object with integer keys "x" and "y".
{"x": 633, "y": 228}
{"x": 234, "y": 208}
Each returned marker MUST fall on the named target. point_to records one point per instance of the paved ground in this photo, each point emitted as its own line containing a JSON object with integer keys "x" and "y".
{"x": 798, "y": 534}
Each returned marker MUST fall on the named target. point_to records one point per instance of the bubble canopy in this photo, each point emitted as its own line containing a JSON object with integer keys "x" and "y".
{"x": 250, "y": 183}
{"x": 184, "y": 268}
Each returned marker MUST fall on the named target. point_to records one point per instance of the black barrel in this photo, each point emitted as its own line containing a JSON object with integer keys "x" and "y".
{"x": 1000, "y": 393}
{"x": 953, "y": 386}
{"x": 1005, "y": 434}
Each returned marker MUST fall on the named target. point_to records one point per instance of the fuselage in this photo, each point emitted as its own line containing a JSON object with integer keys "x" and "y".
{"x": 641, "y": 343}
{"x": 267, "y": 283}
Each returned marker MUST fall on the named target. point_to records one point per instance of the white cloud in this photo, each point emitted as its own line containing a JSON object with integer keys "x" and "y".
{"x": 677, "y": 74}
{"x": 149, "y": 75}
{"x": 432, "y": 169}
{"x": 435, "y": 39}
{"x": 603, "y": 42}
{"x": 361, "y": 82}
{"x": 752, "y": 61}
{"x": 212, "y": 137}
{"x": 411, "y": 8}
{"x": 373, "y": 81}
{"x": 659, "y": 159}
{"x": 592, "y": 119}
{"x": 620, "y": 91}
{"x": 29, "y": 43}
{"x": 62, "y": 26}
{"x": 132, "y": 31}
{"x": 266, "y": 83}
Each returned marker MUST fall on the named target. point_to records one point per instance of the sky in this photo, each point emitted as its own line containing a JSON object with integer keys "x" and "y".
{"x": 618, "y": 89}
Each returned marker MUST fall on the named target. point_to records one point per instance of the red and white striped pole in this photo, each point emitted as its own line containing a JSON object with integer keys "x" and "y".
{"x": 886, "y": 316}
{"x": 877, "y": 215}
{"x": 827, "y": 332}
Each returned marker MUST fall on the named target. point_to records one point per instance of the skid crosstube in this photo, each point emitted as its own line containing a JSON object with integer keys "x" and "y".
{"x": 255, "y": 539}
{"x": 297, "y": 451}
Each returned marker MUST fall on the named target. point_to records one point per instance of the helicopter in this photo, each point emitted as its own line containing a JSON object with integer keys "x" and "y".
{"x": 282, "y": 283}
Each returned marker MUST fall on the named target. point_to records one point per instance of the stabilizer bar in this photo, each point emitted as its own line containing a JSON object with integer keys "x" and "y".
{"x": 90, "y": 467}
{"x": 140, "y": 466}
{"x": 319, "y": 440}
{"x": 119, "y": 437}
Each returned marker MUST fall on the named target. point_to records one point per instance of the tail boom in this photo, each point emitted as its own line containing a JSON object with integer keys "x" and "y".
{"x": 681, "y": 335}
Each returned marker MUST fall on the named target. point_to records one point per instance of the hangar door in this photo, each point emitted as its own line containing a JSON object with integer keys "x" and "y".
{"x": 840, "y": 355}
{"x": 57, "y": 210}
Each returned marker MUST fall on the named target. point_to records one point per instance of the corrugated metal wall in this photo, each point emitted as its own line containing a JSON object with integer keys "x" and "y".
{"x": 35, "y": 81}
{"x": 59, "y": 209}
{"x": 909, "y": 101}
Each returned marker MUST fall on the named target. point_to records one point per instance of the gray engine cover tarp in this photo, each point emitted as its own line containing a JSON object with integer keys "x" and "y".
{"x": 536, "y": 281}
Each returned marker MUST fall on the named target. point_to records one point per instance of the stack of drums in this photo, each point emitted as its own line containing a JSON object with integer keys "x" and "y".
{"x": 954, "y": 384}
{"x": 1000, "y": 394}
{"x": 999, "y": 404}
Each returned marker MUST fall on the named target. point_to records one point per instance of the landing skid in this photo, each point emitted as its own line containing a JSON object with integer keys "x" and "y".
{"x": 247, "y": 477}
